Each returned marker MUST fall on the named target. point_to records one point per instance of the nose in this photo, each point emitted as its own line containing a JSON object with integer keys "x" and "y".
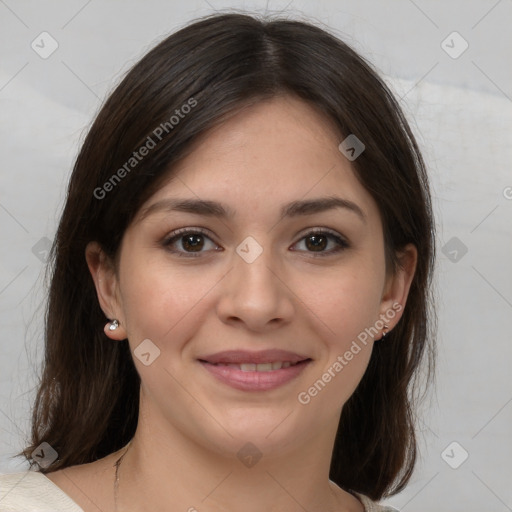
{"x": 256, "y": 294}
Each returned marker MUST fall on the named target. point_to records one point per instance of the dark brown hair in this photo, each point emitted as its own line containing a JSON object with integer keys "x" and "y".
{"x": 88, "y": 396}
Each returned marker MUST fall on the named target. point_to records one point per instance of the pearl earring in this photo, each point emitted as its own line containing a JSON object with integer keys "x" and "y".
{"x": 386, "y": 327}
{"x": 113, "y": 325}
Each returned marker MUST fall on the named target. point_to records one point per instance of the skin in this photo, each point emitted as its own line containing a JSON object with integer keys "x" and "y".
{"x": 191, "y": 426}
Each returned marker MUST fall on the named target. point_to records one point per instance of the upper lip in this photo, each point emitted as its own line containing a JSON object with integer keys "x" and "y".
{"x": 244, "y": 356}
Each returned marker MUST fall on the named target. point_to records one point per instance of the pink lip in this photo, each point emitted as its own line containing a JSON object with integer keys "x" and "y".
{"x": 254, "y": 380}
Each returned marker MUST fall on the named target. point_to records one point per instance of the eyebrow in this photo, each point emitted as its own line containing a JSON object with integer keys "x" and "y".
{"x": 215, "y": 209}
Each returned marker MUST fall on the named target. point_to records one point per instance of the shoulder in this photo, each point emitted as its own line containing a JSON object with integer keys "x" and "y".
{"x": 32, "y": 490}
{"x": 372, "y": 506}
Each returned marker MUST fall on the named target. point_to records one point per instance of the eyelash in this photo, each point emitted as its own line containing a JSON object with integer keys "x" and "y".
{"x": 180, "y": 233}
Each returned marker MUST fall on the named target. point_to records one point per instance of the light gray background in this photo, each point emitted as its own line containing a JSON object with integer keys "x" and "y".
{"x": 460, "y": 108}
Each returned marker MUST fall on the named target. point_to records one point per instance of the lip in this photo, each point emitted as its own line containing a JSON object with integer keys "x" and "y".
{"x": 254, "y": 380}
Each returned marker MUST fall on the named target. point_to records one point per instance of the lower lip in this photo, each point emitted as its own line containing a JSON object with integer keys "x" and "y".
{"x": 255, "y": 381}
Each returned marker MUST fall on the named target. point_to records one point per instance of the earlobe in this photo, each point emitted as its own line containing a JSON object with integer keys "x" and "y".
{"x": 114, "y": 331}
{"x": 105, "y": 281}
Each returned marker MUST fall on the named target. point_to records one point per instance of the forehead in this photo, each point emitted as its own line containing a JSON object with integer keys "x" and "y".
{"x": 283, "y": 127}
{"x": 268, "y": 154}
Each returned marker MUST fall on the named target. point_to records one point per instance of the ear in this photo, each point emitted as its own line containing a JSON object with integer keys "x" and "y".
{"x": 396, "y": 289}
{"x": 105, "y": 279}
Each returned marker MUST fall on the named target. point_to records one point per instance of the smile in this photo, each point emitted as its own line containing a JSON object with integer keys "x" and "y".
{"x": 255, "y": 377}
{"x": 260, "y": 367}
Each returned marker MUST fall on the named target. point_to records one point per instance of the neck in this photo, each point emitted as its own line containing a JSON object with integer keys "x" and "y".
{"x": 161, "y": 469}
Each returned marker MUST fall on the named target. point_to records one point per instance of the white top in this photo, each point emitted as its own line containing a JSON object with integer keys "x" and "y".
{"x": 32, "y": 491}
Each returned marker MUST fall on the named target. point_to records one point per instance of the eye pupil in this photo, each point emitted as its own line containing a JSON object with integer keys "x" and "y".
{"x": 193, "y": 242}
{"x": 319, "y": 242}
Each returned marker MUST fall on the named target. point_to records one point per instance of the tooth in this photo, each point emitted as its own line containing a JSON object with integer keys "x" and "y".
{"x": 260, "y": 367}
{"x": 264, "y": 367}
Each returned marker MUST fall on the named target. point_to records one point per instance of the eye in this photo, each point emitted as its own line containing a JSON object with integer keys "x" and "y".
{"x": 318, "y": 240}
{"x": 190, "y": 242}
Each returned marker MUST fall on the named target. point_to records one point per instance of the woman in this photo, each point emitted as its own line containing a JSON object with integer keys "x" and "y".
{"x": 240, "y": 295}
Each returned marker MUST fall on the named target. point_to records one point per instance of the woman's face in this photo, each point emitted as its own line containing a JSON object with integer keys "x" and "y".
{"x": 256, "y": 255}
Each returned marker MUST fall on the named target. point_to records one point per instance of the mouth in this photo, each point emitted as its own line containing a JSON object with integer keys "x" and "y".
{"x": 255, "y": 371}
{"x": 259, "y": 367}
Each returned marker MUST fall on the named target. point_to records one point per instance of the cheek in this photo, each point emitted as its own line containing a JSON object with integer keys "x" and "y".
{"x": 347, "y": 308}
{"x": 160, "y": 302}
{"x": 345, "y": 301}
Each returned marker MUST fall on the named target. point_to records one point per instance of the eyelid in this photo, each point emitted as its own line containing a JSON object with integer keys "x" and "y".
{"x": 187, "y": 230}
{"x": 322, "y": 231}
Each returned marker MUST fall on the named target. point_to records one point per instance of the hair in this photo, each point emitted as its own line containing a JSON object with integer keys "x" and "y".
{"x": 87, "y": 399}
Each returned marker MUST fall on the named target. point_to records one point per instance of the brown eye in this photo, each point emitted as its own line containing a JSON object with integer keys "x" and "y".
{"x": 189, "y": 242}
{"x": 318, "y": 241}
{"x": 192, "y": 242}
